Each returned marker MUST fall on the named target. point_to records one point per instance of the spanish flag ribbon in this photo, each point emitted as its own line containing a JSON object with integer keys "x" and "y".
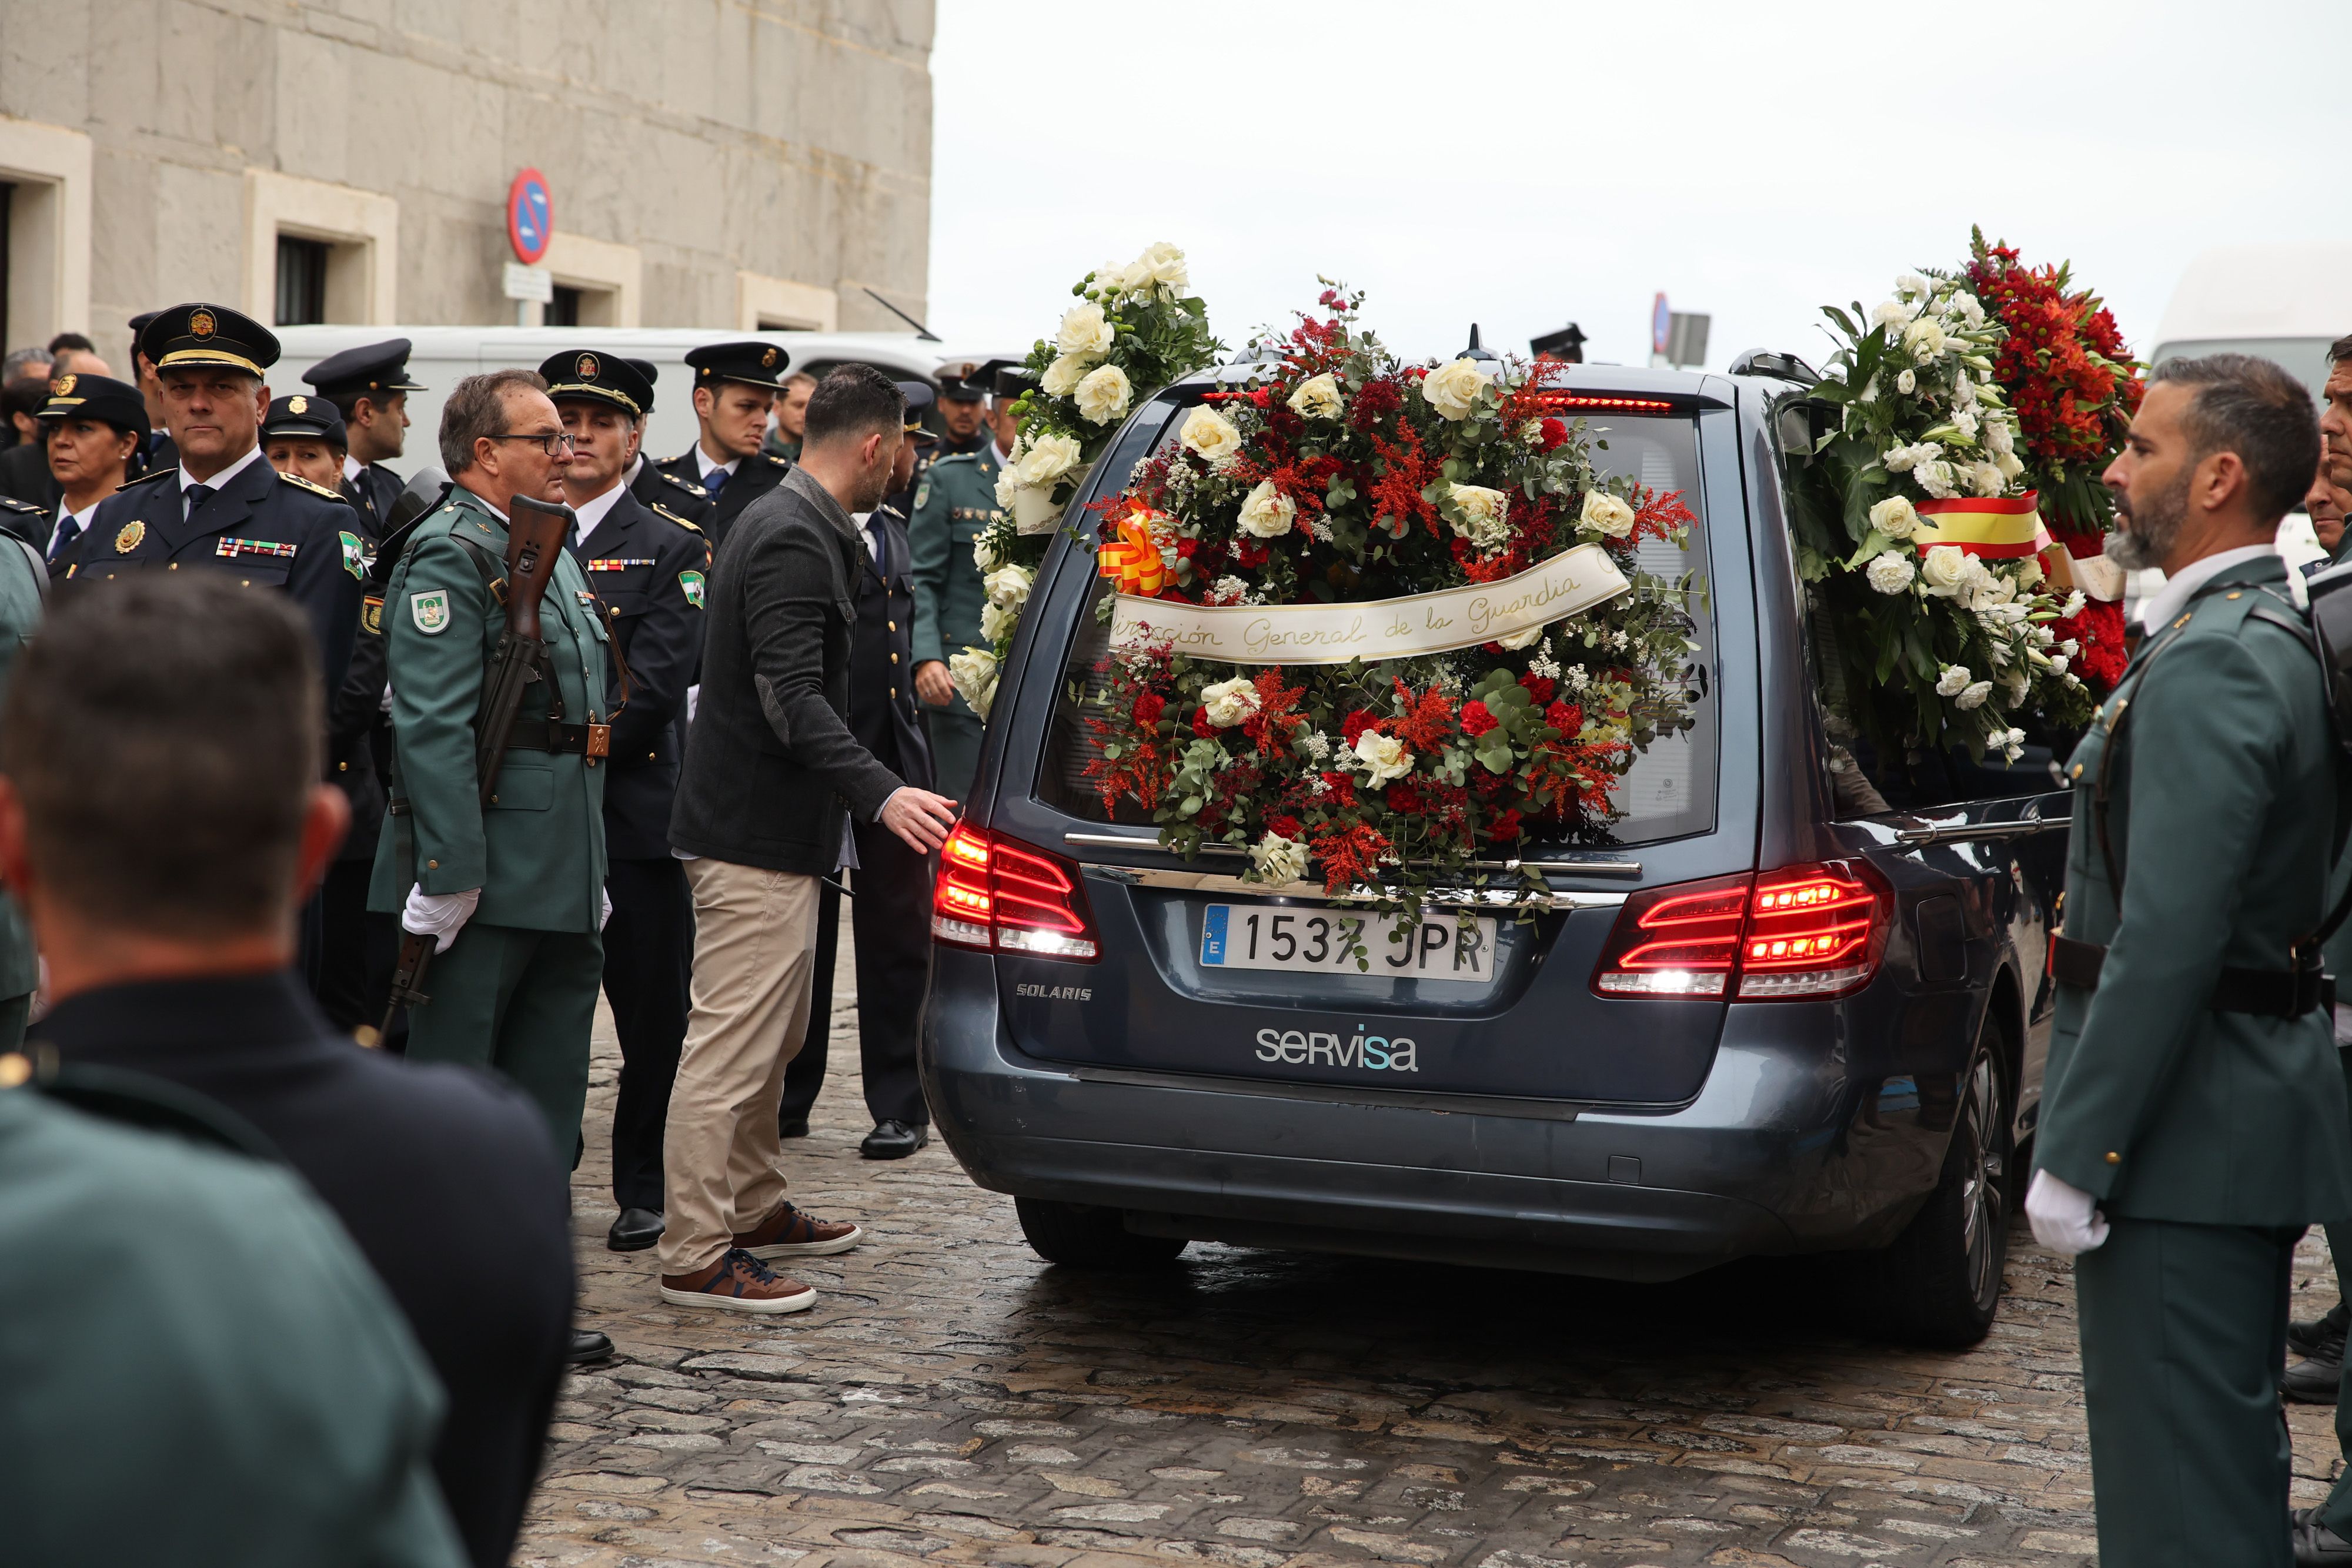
{"x": 1132, "y": 560}
{"x": 2000, "y": 530}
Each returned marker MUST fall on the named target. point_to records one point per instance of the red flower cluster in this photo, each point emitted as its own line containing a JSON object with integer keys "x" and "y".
{"x": 2064, "y": 368}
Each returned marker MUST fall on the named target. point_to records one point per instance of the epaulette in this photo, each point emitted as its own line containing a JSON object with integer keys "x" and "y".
{"x": 945, "y": 459}
{"x": 886, "y": 507}
{"x": 779, "y": 461}
{"x": 10, "y": 504}
{"x": 297, "y": 479}
{"x": 688, "y": 485}
{"x": 674, "y": 518}
{"x": 148, "y": 478}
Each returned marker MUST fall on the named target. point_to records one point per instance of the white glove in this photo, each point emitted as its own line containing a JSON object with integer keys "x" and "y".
{"x": 606, "y": 918}
{"x": 440, "y": 915}
{"x": 2063, "y": 1217}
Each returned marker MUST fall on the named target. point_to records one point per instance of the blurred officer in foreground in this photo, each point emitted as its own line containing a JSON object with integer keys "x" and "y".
{"x": 2194, "y": 1119}
{"x": 369, "y": 387}
{"x": 890, "y": 912}
{"x": 734, "y": 388}
{"x": 96, "y": 427}
{"x": 954, "y": 504}
{"x": 680, "y": 500}
{"x": 161, "y": 817}
{"x": 268, "y": 1410}
{"x": 225, "y": 508}
{"x": 514, "y": 895}
{"x": 650, "y": 572}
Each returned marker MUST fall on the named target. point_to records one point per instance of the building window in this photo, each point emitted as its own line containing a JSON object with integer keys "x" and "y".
{"x": 301, "y": 281}
{"x": 563, "y": 311}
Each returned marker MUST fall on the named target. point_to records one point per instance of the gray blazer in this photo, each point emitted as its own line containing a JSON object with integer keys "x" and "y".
{"x": 771, "y": 766}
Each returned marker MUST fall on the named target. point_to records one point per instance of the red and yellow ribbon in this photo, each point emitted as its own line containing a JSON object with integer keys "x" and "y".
{"x": 1132, "y": 560}
{"x": 1999, "y": 530}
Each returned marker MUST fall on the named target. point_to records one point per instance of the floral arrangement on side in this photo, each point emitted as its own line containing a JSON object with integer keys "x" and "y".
{"x": 1934, "y": 610}
{"x": 1135, "y": 328}
{"x": 1338, "y": 474}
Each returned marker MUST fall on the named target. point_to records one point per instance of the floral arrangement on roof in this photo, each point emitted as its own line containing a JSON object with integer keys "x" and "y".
{"x": 1934, "y": 587}
{"x": 1337, "y": 478}
{"x": 1135, "y": 328}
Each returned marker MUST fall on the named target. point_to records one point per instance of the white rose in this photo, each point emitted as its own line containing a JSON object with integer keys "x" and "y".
{"x": 1062, "y": 377}
{"x": 1104, "y": 395}
{"x": 1452, "y": 390}
{"x": 1890, "y": 572}
{"x": 1382, "y": 758}
{"x": 1973, "y": 695}
{"x": 1278, "y": 859}
{"x": 1945, "y": 570}
{"x": 1267, "y": 512}
{"x": 1481, "y": 520}
{"x": 1924, "y": 338}
{"x": 1230, "y": 702}
{"x": 1054, "y": 456}
{"x": 984, "y": 545}
{"x": 1518, "y": 640}
{"x": 1953, "y": 681}
{"x": 1210, "y": 434}
{"x": 1163, "y": 265}
{"x": 1895, "y": 517}
{"x": 974, "y": 673}
{"x": 1606, "y": 514}
{"x": 1008, "y": 585}
{"x": 1086, "y": 331}
{"x": 1907, "y": 382}
{"x": 1317, "y": 397}
{"x": 997, "y": 620}
{"x": 1006, "y": 483}
{"x": 1985, "y": 478}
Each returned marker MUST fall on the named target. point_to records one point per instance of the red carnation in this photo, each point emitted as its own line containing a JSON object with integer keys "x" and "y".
{"x": 1553, "y": 433}
{"x": 1287, "y": 827}
{"x": 1566, "y": 717}
{"x": 1537, "y": 688}
{"x": 1403, "y": 796}
{"x": 1476, "y": 719}
{"x": 1148, "y": 709}
{"x": 1341, "y": 789}
{"x": 1506, "y": 825}
{"x": 1358, "y": 723}
{"x": 1201, "y": 724}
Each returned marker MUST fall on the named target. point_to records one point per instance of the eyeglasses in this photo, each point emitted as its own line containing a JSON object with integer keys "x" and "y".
{"x": 549, "y": 440}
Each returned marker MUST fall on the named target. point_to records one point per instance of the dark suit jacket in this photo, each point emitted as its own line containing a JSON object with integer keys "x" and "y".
{"x": 443, "y": 1176}
{"x": 882, "y": 712}
{"x": 770, "y": 765}
{"x": 755, "y": 477}
{"x": 25, "y": 476}
{"x": 652, "y": 575}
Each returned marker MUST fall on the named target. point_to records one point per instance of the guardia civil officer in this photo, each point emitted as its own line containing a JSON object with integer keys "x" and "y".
{"x": 963, "y": 409}
{"x": 649, "y": 570}
{"x": 954, "y": 504}
{"x": 889, "y": 913}
{"x": 680, "y": 500}
{"x": 513, "y": 893}
{"x": 2193, "y": 1117}
{"x": 369, "y": 386}
{"x": 96, "y": 429}
{"x": 734, "y": 388}
{"x": 225, "y": 509}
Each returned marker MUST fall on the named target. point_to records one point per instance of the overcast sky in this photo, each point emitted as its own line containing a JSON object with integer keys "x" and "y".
{"x": 1525, "y": 164}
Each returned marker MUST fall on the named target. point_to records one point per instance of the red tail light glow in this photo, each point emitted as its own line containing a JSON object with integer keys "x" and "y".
{"x": 1622, "y": 405}
{"x": 1802, "y": 931}
{"x": 997, "y": 894}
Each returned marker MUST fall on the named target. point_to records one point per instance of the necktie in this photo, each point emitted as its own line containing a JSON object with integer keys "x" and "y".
{"x": 68, "y": 530}
{"x": 715, "y": 481}
{"x": 198, "y": 495}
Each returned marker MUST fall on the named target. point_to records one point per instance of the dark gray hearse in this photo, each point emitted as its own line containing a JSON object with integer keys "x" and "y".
{"x": 1755, "y": 1024}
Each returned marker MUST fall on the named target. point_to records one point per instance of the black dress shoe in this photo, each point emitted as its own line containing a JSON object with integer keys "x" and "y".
{"x": 2314, "y": 1380}
{"x": 588, "y": 1346}
{"x": 637, "y": 1229}
{"x": 2317, "y": 1546}
{"x": 2321, "y": 1335}
{"x": 894, "y": 1140}
{"x": 793, "y": 1129}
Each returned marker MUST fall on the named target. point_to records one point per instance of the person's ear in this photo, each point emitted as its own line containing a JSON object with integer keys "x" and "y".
{"x": 2220, "y": 477}
{"x": 326, "y": 821}
{"x": 261, "y": 402}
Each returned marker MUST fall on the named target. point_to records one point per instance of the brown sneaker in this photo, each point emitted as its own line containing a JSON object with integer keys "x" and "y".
{"x": 788, "y": 1233}
{"x": 739, "y": 1283}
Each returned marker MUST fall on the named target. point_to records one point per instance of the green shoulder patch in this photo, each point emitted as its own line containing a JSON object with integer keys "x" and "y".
{"x": 691, "y": 581}
{"x": 355, "y": 561}
{"x": 430, "y": 610}
{"x": 922, "y": 492}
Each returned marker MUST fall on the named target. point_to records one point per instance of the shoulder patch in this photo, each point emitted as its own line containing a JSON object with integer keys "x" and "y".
{"x": 923, "y": 493}
{"x": 355, "y": 557}
{"x": 430, "y": 610}
{"x": 691, "y": 581}
{"x": 297, "y": 480}
{"x": 674, "y": 518}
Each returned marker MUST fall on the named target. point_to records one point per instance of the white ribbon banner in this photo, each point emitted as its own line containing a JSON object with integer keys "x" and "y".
{"x": 1568, "y": 584}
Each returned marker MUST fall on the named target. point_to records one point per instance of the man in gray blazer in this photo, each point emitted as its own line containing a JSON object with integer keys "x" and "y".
{"x": 771, "y": 780}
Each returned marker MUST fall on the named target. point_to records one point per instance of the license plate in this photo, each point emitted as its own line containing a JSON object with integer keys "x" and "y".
{"x": 1325, "y": 942}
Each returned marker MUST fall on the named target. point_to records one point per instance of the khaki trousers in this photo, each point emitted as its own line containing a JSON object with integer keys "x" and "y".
{"x": 754, "y": 938}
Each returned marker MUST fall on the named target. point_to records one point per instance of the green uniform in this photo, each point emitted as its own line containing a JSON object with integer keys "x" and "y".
{"x": 517, "y": 990}
{"x": 244, "y": 1394}
{"x": 2210, "y": 1138}
{"x": 954, "y": 504}
{"x": 23, "y": 584}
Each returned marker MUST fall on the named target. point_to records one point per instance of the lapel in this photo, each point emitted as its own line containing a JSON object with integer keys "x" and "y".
{"x": 228, "y": 506}
{"x": 612, "y": 529}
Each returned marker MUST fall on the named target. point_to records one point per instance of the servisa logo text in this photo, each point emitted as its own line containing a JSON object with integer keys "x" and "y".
{"x": 1320, "y": 1048}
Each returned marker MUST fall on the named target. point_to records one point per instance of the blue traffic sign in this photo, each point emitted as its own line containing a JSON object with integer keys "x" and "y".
{"x": 531, "y": 216}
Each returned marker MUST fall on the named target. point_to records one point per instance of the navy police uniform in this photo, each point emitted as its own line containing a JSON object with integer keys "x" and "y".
{"x": 680, "y": 500}
{"x": 77, "y": 396}
{"x": 649, "y": 570}
{"x": 159, "y": 451}
{"x": 753, "y": 363}
{"x": 373, "y": 370}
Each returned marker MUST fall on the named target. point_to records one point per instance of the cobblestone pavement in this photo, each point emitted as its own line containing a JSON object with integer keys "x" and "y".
{"x": 952, "y": 1400}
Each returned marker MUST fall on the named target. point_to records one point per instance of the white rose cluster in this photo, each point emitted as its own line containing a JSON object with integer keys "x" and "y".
{"x": 1159, "y": 271}
{"x": 974, "y": 673}
{"x": 1266, "y": 512}
{"x": 1452, "y": 390}
{"x": 1230, "y": 702}
{"x": 1606, "y": 514}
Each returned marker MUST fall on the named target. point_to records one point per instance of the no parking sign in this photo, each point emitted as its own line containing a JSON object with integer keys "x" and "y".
{"x": 531, "y": 216}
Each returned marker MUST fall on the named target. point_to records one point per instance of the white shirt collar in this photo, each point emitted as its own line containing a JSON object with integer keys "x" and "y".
{"x": 351, "y": 466}
{"x": 590, "y": 513}
{"x": 703, "y": 460}
{"x": 630, "y": 477}
{"x": 2166, "y": 602}
{"x": 225, "y": 475}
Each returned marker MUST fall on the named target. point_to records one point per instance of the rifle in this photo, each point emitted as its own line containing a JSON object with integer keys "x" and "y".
{"x": 537, "y": 532}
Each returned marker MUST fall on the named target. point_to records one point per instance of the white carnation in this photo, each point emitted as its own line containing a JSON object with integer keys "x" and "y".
{"x": 1452, "y": 390}
{"x": 1895, "y": 517}
{"x": 1973, "y": 695}
{"x": 2058, "y": 663}
{"x": 1317, "y": 397}
{"x": 1903, "y": 459}
{"x": 1606, "y": 514}
{"x": 1953, "y": 681}
{"x": 1085, "y": 331}
{"x": 1230, "y": 702}
{"x": 1382, "y": 758}
{"x": 1268, "y": 512}
{"x": 1104, "y": 395}
{"x": 1890, "y": 572}
{"x": 1970, "y": 309}
{"x": 1936, "y": 478}
{"x": 1278, "y": 859}
{"x": 1985, "y": 479}
{"x": 1911, "y": 286}
{"x": 984, "y": 545}
{"x": 1892, "y": 314}
{"x": 2001, "y": 437}
{"x": 1210, "y": 434}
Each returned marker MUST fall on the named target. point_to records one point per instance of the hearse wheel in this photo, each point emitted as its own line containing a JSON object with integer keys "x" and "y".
{"x": 1080, "y": 1236}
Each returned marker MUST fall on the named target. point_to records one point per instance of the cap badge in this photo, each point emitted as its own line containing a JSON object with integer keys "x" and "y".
{"x": 62, "y": 387}
{"x": 296, "y": 404}
{"x": 128, "y": 539}
{"x": 768, "y": 361}
{"x": 586, "y": 368}
{"x": 200, "y": 324}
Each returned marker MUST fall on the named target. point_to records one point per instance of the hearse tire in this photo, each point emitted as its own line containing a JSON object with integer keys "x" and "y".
{"x": 1079, "y": 1236}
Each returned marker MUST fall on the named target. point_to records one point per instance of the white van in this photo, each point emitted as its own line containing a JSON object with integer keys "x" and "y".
{"x": 2285, "y": 302}
{"x": 439, "y": 356}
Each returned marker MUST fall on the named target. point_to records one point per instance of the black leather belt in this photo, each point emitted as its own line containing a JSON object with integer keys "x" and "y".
{"x": 2270, "y": 993}
{"x": 578, "y": 739}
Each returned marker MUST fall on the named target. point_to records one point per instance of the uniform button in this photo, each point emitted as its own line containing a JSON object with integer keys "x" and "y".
{"x": 2078, "y": 771}
{"x": 894, "y": 691}
{"x": 343, "y": 767}
{"x": 431, "y": 865}
{"x": 2114, "y": 1158}
{"x": 894, "y": 625}
{"x": 893, "y": 658}
{"x": 2233, "y": 594}
{"x": 652, "y": 757}
{"x": 245, "y": 583}
{"x": 494, "y": 800}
